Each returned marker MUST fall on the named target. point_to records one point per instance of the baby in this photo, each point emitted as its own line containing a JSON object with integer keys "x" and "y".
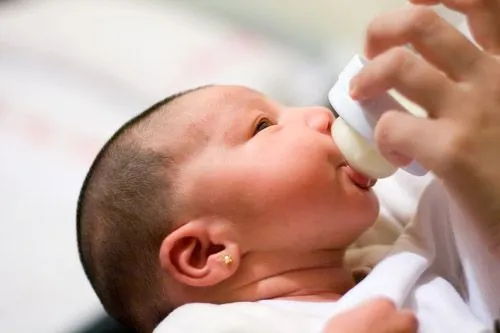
{"x": 229, "y": 212}
{"x": 219, "y": 195}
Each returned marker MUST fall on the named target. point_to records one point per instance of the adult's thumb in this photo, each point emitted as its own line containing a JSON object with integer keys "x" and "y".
{"x": 402, "y": 137}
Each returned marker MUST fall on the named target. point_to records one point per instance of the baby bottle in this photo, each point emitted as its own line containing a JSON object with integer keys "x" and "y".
{"x": 353, "y": 130}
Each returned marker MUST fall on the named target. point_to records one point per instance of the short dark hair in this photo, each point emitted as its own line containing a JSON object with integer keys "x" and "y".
{"x": 124, "y": 212}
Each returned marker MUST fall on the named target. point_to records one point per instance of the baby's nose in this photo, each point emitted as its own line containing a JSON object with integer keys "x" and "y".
{"x": 319, "y": 119}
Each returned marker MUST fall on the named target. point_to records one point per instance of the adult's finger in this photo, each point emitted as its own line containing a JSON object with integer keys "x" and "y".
{"x": 404, "y": 322}
{"x": 397, "y": 132}
{"x": 409, "y": 74}
{"x": 483, "y": 19}
{"x": 384, "y": 316}
{"x": 435, "y": 39}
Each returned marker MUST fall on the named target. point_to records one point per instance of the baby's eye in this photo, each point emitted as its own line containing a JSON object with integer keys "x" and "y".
{"x": 262, "y": 125}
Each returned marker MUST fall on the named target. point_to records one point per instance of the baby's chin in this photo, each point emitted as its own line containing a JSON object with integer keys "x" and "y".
{"x": 364, "y": 199}
{"x": 367, "y": 206}
{"x": 373, "y": 199}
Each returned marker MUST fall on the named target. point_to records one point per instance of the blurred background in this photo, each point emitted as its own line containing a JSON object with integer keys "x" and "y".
{"x": 72, "y": 71}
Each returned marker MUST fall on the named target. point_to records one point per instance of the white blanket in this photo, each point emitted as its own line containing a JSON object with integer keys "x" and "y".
{"x": 438, "y": 268}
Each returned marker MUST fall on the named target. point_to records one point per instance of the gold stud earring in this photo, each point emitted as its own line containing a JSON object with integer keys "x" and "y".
{"x": 227, "y": 259}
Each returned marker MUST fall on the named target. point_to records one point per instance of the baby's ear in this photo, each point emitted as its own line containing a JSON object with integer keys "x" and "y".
{"x": 198, "y": 256}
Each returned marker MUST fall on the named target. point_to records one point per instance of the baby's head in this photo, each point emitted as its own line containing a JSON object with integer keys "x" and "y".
{"x": 215, "y": 173}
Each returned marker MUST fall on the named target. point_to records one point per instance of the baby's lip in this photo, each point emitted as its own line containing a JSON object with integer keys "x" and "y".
{"x": 362, "y": 181}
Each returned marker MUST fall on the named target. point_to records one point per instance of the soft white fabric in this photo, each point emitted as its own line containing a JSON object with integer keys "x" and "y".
{"x": 238, "y": 318}
{"x": 438, "y": 268}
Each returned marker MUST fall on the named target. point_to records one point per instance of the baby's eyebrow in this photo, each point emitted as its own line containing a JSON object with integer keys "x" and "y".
{"x": 237, "y": 128}
{"x": 243, "y": 109}
{"x": 256, "y": 101}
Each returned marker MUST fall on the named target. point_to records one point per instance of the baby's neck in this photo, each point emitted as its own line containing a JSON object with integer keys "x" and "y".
{"x": 319, "y": 276}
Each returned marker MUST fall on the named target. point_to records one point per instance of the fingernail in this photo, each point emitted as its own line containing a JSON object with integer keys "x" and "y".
{"x": 399, "y": 159}
{"x": 353, "y": 90}
{"x": 355, "y": 94}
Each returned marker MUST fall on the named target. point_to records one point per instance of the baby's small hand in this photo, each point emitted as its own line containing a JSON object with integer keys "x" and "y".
{"x": 458, "y": 84}
{"x": 376, "y": 316}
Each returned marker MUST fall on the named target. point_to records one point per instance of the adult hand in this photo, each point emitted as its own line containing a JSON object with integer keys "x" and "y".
{"x": 376, "y": 316}
{"x": 458, "y": 83}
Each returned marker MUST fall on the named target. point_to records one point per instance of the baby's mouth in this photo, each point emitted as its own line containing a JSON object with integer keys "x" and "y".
{"x": 360, "y": 180}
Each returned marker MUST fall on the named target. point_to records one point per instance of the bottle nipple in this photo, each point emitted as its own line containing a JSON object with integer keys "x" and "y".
{"x": 360, "y": 154}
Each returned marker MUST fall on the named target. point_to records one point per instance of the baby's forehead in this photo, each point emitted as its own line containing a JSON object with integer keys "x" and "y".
{"x": 198, "y": 116}
{"x": 213, "y": 98}
{"x": 216, "y": 107}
